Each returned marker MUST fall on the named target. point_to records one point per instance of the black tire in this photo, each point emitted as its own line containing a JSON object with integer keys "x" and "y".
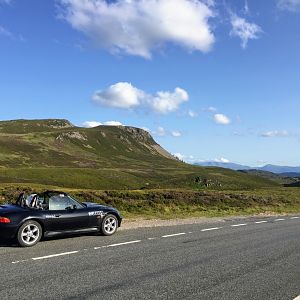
{"x": 29, "y": 234}
{"x": 109, "y": 225}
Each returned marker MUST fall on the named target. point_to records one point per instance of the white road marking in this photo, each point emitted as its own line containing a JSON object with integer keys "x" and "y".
{"x": 19, "y": 261}
{"x": 297, "y": 298}
{"x": 96, "y": 248}
{"x": 119, "y": 244}
{"x": 238, "y": 225}
{"x": 151, "y": 238}
{"x": 175, "y": 234}
{"x": 209, "y": 229}
{"x": 54, "y": 255}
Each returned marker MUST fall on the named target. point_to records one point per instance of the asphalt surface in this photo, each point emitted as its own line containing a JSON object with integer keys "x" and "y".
{"x": 234, "y": 259}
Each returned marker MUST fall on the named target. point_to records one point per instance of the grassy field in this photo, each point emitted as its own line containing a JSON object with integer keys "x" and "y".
{"x": 124, "y": 167}
{"x": 183, "y": 176}
{"x": 54, "y": 152}
{"x": 179, "y": 203}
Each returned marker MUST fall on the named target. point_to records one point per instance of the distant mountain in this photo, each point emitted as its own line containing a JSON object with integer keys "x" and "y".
{"x": 285, "y": 180}
{"x": 268, "y": 168}
{"x": 290, "y": 174}
{"x": 280, "y": 169}
{"x": 231, "y": 166}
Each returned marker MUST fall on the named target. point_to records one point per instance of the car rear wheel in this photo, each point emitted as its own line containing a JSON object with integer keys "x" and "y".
{"x": 29, "y": 234}
{"x": 109, "y": 225}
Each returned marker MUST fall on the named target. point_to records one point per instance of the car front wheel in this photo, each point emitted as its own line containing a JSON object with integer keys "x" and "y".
{"x": 109, "y": 225}
{"x": 29, "y": 234}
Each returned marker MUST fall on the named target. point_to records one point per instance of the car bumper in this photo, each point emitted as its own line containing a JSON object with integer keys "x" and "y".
{"x": 8, "y": 231}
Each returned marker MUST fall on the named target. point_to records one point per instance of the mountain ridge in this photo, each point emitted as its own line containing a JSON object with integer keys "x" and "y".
{"x": 56, "y": 152}
{"x": 268, "y": 168}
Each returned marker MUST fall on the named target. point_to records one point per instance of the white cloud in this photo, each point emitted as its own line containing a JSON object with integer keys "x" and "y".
{"x": 91, "y": 124}
{"x": 289, "y": 5}
{"x": 165, "y": 102}
{"x": 211, "y": 109}
{"x": 244, "y": 30}
{"x": 124, "y": 95}
{"x": 113, "y": 123}
{"x": 160, "y": 132}
{"x": 192, "y": 114}
{"x": 246, "y": 8}
{"x": 137, "y": 27}
{"x": 222, "y": 160}
{"x": 120, "y": 95}
{"x": 276, "y": 133}
{"x": 221, "y": 119}
{"x": 179, "y": 156}
{"x": 176, "y": 133}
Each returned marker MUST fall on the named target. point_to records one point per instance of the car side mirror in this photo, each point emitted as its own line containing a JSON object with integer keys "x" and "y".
{"x": 71, "y": 207}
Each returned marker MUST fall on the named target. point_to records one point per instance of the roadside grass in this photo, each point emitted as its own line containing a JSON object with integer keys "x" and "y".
{"x": 177, "y": 203}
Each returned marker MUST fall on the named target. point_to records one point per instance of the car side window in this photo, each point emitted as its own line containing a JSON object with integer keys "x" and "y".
{"x": 62, "y": 202}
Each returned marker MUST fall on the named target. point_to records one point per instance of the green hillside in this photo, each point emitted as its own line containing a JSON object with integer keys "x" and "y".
{"x": 55, "y": 152}
{"x": 283, "y": 180}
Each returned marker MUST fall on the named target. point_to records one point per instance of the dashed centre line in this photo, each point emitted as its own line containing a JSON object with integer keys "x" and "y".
{"x": 19, "y": 261}
{"x": 150, "y": 238}
{"x": 210, "y": 229}
{"x": 119, "y": 244}
{"x": 175, "y": 234}
{"x": 54, "y": 255}
{"x": 238, "y": 225}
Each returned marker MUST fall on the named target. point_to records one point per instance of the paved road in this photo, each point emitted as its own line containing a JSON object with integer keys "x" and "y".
{"x": 238, "y": 259}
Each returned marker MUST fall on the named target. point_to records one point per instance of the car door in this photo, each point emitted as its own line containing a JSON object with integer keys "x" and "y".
{"x": 65, "y": 214}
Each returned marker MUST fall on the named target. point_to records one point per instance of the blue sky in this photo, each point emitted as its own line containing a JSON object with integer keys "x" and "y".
{"x": 211, "y": 80}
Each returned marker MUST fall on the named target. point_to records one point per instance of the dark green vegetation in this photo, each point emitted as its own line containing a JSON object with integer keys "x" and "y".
{"x": 178, "y": 203}
{"x": 126, "y": 168}
{"x": 54, "y": 152}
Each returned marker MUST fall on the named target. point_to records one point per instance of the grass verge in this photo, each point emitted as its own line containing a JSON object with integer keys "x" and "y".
{"x": 178, "y": 203}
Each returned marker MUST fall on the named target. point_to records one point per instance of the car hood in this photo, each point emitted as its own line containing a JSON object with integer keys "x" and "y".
{"x": 95, "y": 205}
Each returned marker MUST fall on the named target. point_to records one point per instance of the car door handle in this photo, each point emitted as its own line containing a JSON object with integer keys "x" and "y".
{"x": 57, "y": 216}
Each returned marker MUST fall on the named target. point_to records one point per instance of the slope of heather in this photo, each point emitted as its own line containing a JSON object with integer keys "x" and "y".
{"x": 55, "y": 152}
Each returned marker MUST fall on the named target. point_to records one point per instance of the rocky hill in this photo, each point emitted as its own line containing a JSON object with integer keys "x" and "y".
{"x": 55, "y": 152}
{"x": 38, "y": 143}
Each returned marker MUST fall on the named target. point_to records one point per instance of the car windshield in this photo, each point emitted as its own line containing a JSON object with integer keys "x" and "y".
{"x": 48, "y": 201}
{"x": 62, "y": 202}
